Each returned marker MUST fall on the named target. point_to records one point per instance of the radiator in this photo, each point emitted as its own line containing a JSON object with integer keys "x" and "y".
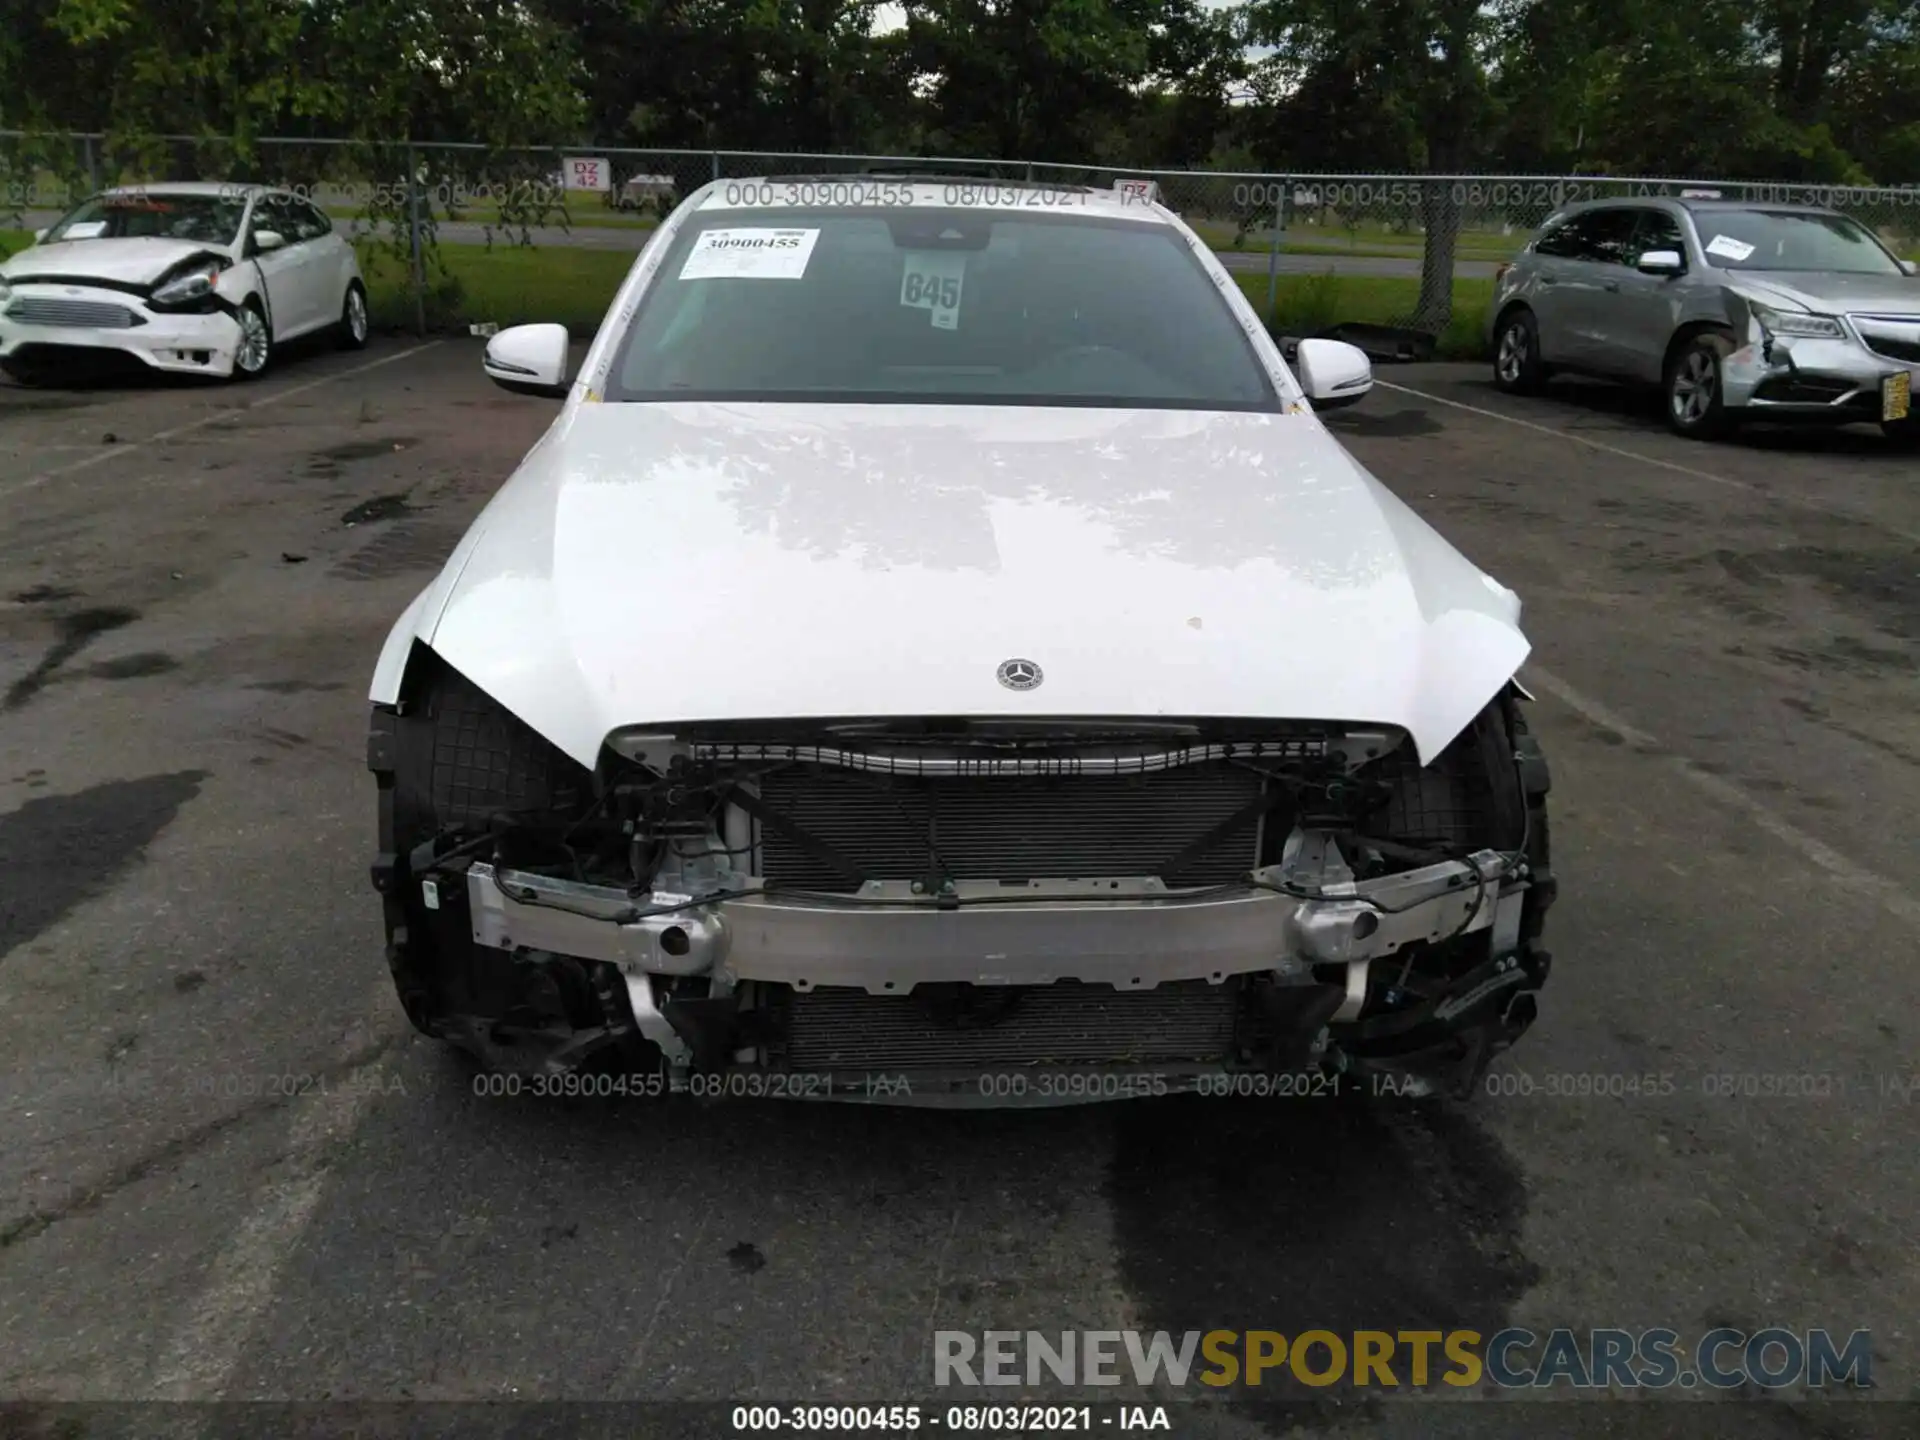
{"x": 1076, "y": 827}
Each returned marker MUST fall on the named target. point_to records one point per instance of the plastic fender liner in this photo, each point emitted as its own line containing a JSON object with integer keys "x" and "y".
{"x": 392, "y": 878}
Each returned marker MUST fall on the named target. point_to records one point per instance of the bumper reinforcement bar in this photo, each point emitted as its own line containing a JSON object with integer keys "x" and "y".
{"x": 886, "y": 939}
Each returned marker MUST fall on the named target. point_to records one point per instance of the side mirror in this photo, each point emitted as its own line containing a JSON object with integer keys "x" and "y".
{"x": 1912, "y": 267}
{"x": 1662, "y": 262}
{"x": 1333, "y": 373}
{"x": 529, "y": 360}
{"x": 268, "y": 239}
{"x": 41, "y": 233}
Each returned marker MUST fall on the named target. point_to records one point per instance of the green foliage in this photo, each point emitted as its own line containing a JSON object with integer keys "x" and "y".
{"x": 1821, "y": 90}
{"x": 1795, "y": 90}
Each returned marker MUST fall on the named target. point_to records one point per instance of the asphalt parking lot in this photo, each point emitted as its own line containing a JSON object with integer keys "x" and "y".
{"x": 196, "y": 583}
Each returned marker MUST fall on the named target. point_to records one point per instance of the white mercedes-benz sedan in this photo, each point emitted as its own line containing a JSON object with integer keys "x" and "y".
{"x": 937, "y": 654}
{"x": 194, "y": 278}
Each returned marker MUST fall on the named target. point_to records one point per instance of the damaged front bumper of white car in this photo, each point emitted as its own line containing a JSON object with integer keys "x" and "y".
{"x": 744, "y": 967}
{"x": 1161, "y": 991}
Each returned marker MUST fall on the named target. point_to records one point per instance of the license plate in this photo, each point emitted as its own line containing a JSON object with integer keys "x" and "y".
{"x": 1896, "y": 396}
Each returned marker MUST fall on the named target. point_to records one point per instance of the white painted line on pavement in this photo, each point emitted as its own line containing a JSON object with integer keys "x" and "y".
{"x": 1625, "y": 454}
{"x": 1559, "y": 434}
{"x": 114, "y": 452}
{"x": 1844, "y": 871}
{"x": 202, "y": 1355}
{"x": 637, "y": 1374}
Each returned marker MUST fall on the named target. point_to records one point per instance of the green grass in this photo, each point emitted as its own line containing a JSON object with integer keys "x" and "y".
{"x": 1380, "y": 244}
{"x": 504, "y": 284}
{"x": 1306, "y": 304}
{"x": 578, "y": 217}
{"x": 510, "y": 285}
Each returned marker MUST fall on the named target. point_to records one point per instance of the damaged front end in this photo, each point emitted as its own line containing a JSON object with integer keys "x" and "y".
{"x": 954, "y": 912}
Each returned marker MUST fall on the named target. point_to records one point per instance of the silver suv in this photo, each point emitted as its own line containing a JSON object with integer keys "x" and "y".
{"x": 1736, "y": 310}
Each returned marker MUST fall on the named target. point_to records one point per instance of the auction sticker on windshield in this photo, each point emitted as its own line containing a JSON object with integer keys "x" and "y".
{"x": 932, "y": 281}
{"x": 1728, "y": 248}
{"x": 758, "y": 254}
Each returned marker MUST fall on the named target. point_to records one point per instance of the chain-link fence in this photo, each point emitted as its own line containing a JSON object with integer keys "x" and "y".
{"x": 1416, "y": 252}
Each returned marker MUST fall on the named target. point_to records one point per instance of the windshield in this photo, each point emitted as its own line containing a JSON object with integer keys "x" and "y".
{"x": 210, "y": 219}
{"x": 1791, "y": 240}
{"x": 934, "y": 305}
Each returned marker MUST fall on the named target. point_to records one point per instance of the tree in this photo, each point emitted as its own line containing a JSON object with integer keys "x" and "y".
{"x": 239, "y": 69}
{"x": 1403, "y": 82}
{"x": 1027, "y": 79}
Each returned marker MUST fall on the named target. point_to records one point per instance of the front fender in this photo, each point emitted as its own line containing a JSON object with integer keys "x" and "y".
{"x": 417, "y": 624}
{"x": 390, "y": 671}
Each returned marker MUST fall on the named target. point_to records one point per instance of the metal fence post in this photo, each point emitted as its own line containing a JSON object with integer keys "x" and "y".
{"x": 417, "y": 266}
{"x": 93, "y": 173}
{"x": 1273, "y": 252}
{"x": 716, "y": 164}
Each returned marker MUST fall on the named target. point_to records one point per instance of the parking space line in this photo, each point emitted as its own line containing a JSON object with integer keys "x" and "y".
{"x": 636, "y": 1372}
{"x": 1844, "y": 871}
{"x": 1560, "y": 434}
{"x": 116, "y": 451}
{"x": 243, "y": 1281}
{"x": 1673, "y": 465}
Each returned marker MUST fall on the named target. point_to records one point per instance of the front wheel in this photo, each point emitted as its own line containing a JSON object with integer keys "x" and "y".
{"x": 255, "y": 351}
{"x": 1693, "y": 390}
{"x": 353, "y": 328}
{"x": 21, "y": 373}
{"x": 1516, "y": 361}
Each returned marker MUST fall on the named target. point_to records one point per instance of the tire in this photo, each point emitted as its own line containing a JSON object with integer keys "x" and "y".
{"x": 24, "y": 374}
{"x": 454, "y": 758}
{"x": 1902, "y": 434}
{"x": 1517, "y": 368}
{"x": 354, "y": 326}
{"x": 254, "y": 354}
{"x": 1691, "y": 393}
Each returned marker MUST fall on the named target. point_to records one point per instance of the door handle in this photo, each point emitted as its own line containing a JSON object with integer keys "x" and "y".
{"x": 1614, "y": 286}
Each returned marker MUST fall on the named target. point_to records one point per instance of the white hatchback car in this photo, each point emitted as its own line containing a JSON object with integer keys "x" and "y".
{"x": 200, "y": 278}
{"x": 937, "y": 655}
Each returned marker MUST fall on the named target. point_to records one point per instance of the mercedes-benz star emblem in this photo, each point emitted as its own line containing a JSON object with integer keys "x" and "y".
{"x": 1019, "y": 674}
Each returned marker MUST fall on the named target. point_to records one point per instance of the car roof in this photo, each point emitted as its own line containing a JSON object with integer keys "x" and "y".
{"x": 930, "y": 190}
{"x": 1691, "y": 203}
{"x": 230, "y": 188}
{"x": 1712, "y": 205}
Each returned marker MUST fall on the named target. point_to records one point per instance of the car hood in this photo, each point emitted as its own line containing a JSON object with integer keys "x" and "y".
{"x": 1827, "y": 293}
{"x": 132, "y": 260}
{"x": 660, "y": 564}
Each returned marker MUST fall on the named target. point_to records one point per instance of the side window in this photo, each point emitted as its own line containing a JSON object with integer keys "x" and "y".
{"x": 1602, "y": 236}
{"x": 1609, "y": 239}
{"x": 270, "y": 213}
{"x": 313, "y": 223}
{"x": 1658, "y": 231}
{"x": 1561, "y": 238}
